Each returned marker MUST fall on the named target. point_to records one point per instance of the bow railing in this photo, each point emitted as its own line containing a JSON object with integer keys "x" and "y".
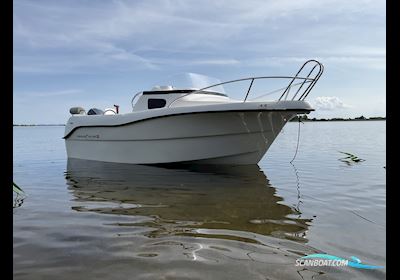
{"x": 304, "y": 85}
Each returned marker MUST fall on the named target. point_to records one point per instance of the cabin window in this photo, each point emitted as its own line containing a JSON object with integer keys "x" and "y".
{"x": 154, "y": 103}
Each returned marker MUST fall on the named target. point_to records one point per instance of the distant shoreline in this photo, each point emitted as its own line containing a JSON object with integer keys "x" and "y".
{"x": 304, "y": 118}
{"x": 38, "y": 124}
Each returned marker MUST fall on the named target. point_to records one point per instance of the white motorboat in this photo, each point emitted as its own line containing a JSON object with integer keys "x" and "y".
{"x": 201, "y": 125}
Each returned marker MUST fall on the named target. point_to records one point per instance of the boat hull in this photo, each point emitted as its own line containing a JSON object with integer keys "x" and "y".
{"x": 201, "y": 138}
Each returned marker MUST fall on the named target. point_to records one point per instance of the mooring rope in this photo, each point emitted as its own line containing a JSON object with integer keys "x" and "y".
{"x": 298, "y": 141}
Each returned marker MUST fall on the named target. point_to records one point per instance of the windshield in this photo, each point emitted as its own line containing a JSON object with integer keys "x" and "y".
{"x": 191, "y": 81}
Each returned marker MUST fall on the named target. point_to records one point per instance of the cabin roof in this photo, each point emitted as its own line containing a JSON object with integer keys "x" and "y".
{"x": 175, "y": 91}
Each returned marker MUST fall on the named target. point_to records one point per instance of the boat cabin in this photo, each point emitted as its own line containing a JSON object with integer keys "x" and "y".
{"x": 163, "y": 97}
{"x": 167, "y": 96}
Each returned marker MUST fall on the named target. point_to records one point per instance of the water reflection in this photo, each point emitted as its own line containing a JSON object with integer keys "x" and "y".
{"x": 185, "y": 200}
{"x": 299, "y": 201}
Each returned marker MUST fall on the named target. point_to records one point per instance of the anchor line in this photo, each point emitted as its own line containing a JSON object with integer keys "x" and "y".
{"x": 298, "y": 141}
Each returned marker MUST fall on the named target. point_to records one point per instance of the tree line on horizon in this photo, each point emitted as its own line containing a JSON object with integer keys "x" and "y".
{"x": 302, "y": 118}
{"x": 360, "y": 118}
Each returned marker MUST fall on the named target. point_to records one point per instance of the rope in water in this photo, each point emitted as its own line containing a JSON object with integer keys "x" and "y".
{"x": 298, "y": 141}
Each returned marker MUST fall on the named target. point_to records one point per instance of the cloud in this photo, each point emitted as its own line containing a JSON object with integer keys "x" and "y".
{"x": 216, "y": 62}
{"x": 53, "y": 93}
{"x": 329, "y": 103}
{"x": 126, "y": 45}
{"x": 116, "y": 35}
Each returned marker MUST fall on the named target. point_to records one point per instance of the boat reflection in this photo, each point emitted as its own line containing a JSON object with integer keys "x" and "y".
{"x": 185, "y": 199}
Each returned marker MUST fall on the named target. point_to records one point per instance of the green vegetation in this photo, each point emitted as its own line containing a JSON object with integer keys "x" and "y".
{"x": 20, "y": 196}
{"x": 350, "y": 159}
{"x": 17, "y": 189}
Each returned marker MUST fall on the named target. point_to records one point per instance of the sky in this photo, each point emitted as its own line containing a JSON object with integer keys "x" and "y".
{"x": 98, "y": 53}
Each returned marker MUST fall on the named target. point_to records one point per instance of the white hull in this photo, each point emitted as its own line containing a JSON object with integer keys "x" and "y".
{"x": 191, "y": 124}
{"x": 202, "y": 137}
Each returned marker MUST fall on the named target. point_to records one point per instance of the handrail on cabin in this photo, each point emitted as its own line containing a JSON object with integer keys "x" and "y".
{"x": 133, "y": 98}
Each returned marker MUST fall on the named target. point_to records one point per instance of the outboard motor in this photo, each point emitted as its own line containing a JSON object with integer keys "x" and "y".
{"x": 95, "y": 111}
{"x": 109, "y": 111}
{"x": 77, "y": 111}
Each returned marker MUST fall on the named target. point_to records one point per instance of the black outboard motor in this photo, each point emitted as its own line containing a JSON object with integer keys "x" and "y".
{"x": 95, "y": 111}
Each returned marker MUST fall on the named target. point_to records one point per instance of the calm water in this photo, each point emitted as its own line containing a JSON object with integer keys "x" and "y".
{"x": 88, "y": 220}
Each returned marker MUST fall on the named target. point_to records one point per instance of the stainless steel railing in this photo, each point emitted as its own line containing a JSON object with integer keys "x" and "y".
{"x": 311, "y": 79}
